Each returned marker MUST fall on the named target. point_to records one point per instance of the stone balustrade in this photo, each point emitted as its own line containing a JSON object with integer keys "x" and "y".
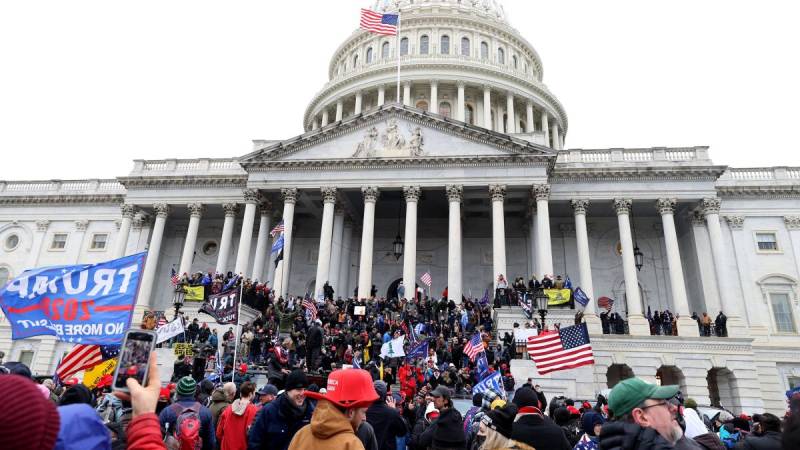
{"x": 634, "y": 155}
{"x": 199, "y": 166}
{"x": 61, "y": 187}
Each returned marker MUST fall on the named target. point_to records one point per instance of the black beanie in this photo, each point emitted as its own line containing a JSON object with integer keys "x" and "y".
{"x": 296, "y": 380}
{"x": 76, "y": 394}
{"x": 526, "y": 397}
{"x": 477, "y": 399}
{"x": 501, "y": 419}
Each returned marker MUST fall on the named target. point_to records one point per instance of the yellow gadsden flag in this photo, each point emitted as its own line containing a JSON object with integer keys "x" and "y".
{"x": 194, "y": 293}
{"x": 557, "y": 296}
{"x": 93, "y": 375}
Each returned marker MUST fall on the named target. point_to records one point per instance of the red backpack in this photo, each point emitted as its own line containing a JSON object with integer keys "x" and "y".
{"x": 186, "y": 435}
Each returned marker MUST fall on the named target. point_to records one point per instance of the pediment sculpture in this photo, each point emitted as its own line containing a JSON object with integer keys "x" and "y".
{"x": 391, "y": 143}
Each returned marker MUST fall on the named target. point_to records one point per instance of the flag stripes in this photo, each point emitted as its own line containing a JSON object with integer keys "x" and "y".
{"x": 79, "y": 358}
{"x": 426, "y": 278}
{"x": 474, "y": 346}
{"x": 566, "y": 348}
{"x": 375, "y": 22}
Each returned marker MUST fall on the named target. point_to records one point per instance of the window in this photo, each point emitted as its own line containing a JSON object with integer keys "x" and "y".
{"x": 444, "y": 109}
{"x": 5, "y": 276}
{"x": 355, "y": 61}
{"x": 514, "y": 60}
{"x": 59, "y": 241}
{"x": 782, "y": 311}
{"x": 26, "y": 357}
{"x": 369, "y": 55}
{"x": 423, "y": 105}
{"x": 501, "y": 56}
{"x": 423, "y": 45}
{"x": 210, "y": 248}
{"x": 385, "y": 50}
{"x": 403, "y": 46}
{"x": 484, "y": 50}
{"x": 464, "y": 46}
{"x": 767, "y": 242}
{"x": 445, "y": 45}
{"x": 469, "y": 114}
{"x": 11, "y": 242}
{"x": 99, "y": 242}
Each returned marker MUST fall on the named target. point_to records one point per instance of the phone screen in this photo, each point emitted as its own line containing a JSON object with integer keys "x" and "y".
{"x": 134, "y": 358}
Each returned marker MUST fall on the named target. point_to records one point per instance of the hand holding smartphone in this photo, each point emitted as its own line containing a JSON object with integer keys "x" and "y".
{"x": 134, "y": 359}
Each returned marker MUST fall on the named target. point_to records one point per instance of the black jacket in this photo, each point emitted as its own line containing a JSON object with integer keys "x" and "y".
{"x": 540, "y": 433}
{"x": 771, "y": 440}
{"x": 629, "y": 436}
{"x": 387, "y": 423}
{"x": 272, "y": 429}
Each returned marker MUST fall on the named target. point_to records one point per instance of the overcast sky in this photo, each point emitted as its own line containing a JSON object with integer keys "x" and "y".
{"x": 88, "y": 86}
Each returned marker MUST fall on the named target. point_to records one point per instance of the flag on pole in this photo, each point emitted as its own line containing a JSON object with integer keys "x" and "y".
{"x": 393, "y": 348}
{"x": 580, "y": 297}
{"x": 568, "y": 284}
{"x": 311, "y": 308}
{"x": 175, "y": 278}
{"x": 605, "y": 302}
{"x": 493, "y": 382}
{"x": 279, "y": 258}
{"x": 277, "y": 245}
{"x": 83, "y": 357}
{"x": 375, "y": 22}
{"x": 277, "y": 230}
{"x": 485, "y": 299}
{"x": 566, "y": 348}
{"x": 418, "y": 351}
{"x": 474, "y": 346}
{"x": 426, "y": 278}
{"x": 482, "y": 365}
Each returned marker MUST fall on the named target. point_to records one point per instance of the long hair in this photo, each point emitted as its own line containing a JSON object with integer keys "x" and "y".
{"x": 495, "y": 441}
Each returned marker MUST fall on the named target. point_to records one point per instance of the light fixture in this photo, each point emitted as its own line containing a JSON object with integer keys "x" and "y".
{"x": 638, "y": 256}
{"x": 542, "y": 302}
{"x": 178, "y": 296}
{"x": 397, "y": 247}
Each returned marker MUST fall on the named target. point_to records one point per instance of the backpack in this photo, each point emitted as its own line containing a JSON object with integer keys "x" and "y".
{"x": 186, "y": 435}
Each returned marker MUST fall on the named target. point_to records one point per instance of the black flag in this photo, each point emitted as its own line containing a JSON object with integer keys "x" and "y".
{"x": 223, "y": 307}
{"x": 278, "y": 258}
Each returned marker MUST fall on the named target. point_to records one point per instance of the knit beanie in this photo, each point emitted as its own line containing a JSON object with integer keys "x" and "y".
{"x": 381, "y": 388}
{"x": 526, "y": 397}
{"x": 186, "y": 387}
{"x": 38, "y": 417}
{"x": 296, "y": 380}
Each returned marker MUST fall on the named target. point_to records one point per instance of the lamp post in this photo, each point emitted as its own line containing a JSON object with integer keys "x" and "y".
{"x": 542, "y": 300}
{"x": 397, "y": 247}
{"x": 177, "y": 299}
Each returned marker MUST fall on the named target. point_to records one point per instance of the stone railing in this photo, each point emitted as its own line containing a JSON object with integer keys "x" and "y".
{"x": 634, "y": 155}
{"x": 199, "y": 166}
{"x": 762, "y": 174}
{"x": 61, "y": 187}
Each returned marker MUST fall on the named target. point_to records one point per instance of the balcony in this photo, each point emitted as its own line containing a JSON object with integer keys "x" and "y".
{"x": 181, "y": 167}
{"x": 778, "y": 181}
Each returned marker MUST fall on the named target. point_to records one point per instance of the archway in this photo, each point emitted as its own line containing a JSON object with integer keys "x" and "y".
{"x": 391, "y": 292}
{"x": 723, "y": 389}
{"x": 668, "y": 375}
{"x": 617, "y": 373}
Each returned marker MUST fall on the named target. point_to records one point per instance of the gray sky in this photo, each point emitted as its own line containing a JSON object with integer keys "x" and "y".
{"x": 87, "y": 86}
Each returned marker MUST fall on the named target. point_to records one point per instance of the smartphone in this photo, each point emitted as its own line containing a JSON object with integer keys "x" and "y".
{"x": 134, "y": 358}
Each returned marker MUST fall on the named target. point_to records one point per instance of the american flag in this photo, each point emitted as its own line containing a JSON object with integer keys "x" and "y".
{"x": 310, "y": 307}
{"x": 566, "y": 348}
{"x": 375, "y": 22}
{"x": 474, "y": 346}
{"x": 277, "y": 230}
{"x": 605, "y": 302}
{"x": 175, "y": 278}
{"x": 83, "y": 357}
{"x": 426, "y": 278}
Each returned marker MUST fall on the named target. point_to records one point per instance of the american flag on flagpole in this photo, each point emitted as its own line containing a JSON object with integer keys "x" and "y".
{"x": 474, "y": 346}
{"x": 566, "y": 348}
{"x": 375, "y": 22}
{"x": 310, "y": 307}
{"x": 83, "y": 357}
{"x": 175, "y": 278}
{"x": 277, "y": 230}
{"x": 605, "y": 302}
{"x": 426, "y": 278}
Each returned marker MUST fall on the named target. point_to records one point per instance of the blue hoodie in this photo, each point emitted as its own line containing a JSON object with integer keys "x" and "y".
{"x": 81, "y": 429}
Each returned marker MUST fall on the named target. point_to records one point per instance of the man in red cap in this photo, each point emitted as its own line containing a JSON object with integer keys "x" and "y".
{"x": 339, "y": 412}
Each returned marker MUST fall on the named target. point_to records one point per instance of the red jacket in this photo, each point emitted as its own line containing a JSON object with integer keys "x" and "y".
{"x": 232, "y": 428}
{"x": 144, "y": 433}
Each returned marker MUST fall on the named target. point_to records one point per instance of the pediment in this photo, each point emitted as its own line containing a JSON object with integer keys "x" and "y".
{"x": 395, "y": 133}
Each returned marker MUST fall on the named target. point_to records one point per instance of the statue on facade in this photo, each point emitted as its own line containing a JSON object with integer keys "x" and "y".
{"x": 366, "y": 148}
{"x": 393, "y": 140}
{"x": 415, "y": 143}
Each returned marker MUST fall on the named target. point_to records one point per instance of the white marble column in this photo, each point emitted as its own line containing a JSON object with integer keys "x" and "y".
{"x": 407, "y": 94}
{"x": 195, "y": 212}
{"x": 730, "y": 306}
{"x": 793, "y": 227}
{"x": 251, "y": 199}
{"x": 227, "y": 237}
{"x": 325, "y": 237}
{"x": 498, "y": 195}
{"x": 529, "y": 126}
{"x": 545, "y": 128}
{"x": 580, "y": 206}
{"x": 153, "y": 252}
{"x": 339, "y": 110}
{"x": 314, "y": 124}
{"x": 344, "y": 264}
{"x": 121, "y": 243}
{"x": 531, "y": 225}
{"x": 336, "y": 249}
{"x": 262, "y": 242}
{"x": 434, "y": 108}
{"x": 367, "y": 237}
{"x": 460, "y": 107}
{"x": 487, "y": 107}
{"x": 544, "y": 251}
{"x": 680, "y": 302}
{"x": 561, "y": 140}
{"x": 411, "y": 194}
{"x": 501, "y": 122}
{"x": 359, "y": 99}
{"x": 637, "y": 324}
{"x": 325, "y": 117}
{"x": 455, "y": 195}
{"x": 79, "y": 236}
{"x": 511, "y": 125}
{"x": 554, "y": 134}
{"x": 381, "y": 95}
{"x": 289, "y": 196}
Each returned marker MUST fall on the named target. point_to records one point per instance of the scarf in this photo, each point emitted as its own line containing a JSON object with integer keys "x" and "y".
{"x": 291, "y": 411}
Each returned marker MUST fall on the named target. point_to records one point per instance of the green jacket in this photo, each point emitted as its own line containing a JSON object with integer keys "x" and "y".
{"x": 286, "y": 319}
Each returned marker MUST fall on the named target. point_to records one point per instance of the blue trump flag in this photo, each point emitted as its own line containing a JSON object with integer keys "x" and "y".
{"x": 580, "y": 297}
{"x": 482, "y": 364}
{"x": 277, "y": 245}
{"x": 493, "y": 382}
{"x": 85, "y": 303}
{"x": 418, "y": 351}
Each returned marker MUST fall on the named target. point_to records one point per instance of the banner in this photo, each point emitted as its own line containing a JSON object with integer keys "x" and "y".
{"x": 183, "y": 349}
{"x": 521, "y": 334}
{"x": 169, "y": 330}
{"x": 557, "y": 296}
{"x": 418, "y": 351}
{"x": 84, "y": 303}
{"x": 393, "y": 348}
{"x": 193, "y": 293}
{"x": 359, "y": 310}
{"x": 580, "y": 297}
{"x": 223, "y": 307}
{"x": 493, "y": 382}
{"x": 93, "y": 375}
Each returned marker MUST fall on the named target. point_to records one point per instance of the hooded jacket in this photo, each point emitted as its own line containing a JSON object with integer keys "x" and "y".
{"x": 329, "y": 428}
{"x": 81, "y": 429}
{"x": 539, "y": 432}
{"x": 218, "y": 404}
{"x": 388, "y": 424}
{"x": 234, "y": 423}
{"x": 144, "y": 433}
{"x": 273, "y": 429}
{"x": 630, "y": 436}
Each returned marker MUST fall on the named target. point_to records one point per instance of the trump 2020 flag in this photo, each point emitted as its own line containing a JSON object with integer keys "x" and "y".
{"x": 85, "y": 303}
{"x": 580, "y": 297}
{"x": 418, "y": 351}
{"x": 493, "y": 382}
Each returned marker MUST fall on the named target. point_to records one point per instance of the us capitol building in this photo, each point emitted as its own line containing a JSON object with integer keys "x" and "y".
{"x": 467, "y": 177}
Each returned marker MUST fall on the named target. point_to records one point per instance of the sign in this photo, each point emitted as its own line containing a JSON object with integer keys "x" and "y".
{"x": 224, "y": 307}
{"x": 359, "y": 310}
{"x": 84, "y": 303}
{"x": 521, "y": 334}
{"x": 183, "y": 349}
{"x": 393, "y": 348}
{"x": 557, "y": 296}
{"x": 169, "y": 330}
{"x": 165, "y": 361}
{"x": 194, "y": 293}
{"x": 93, "y": 375}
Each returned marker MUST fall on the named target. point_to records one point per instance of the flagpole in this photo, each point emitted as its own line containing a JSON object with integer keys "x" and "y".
{"x": 238, "y": 331}
{"x": 398, "y": 55}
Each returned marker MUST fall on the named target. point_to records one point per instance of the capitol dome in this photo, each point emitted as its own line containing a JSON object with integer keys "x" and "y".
{"x": 460, "y": 59}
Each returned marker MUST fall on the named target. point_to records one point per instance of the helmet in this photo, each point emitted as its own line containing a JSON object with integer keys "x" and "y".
{"x": 348, "y": 388}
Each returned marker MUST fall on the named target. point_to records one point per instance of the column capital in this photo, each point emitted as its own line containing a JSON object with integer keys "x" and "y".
{"x": 697, "y": 219}
{"x": 251, "y": 195}
{"x": 127, "y": 210}
{"x": 406, "y": 84}
{"x": 541, "y": 191}
{"x": 412, "y": 193}
{"x": 711, "y": 205}
{"x": 579, "y": 205}
{"x": 42, "y": 225}
{"x": 328, "y": 194}
{"x": 486, "y": 87}
{"x": 118, "y": 224}
{"x": 289, "y": 195}
{"x": 196, "y": 209}
{"x": 461, "y": 84}
{"x": 140, "y": 220}
{"x": 792, "y": 222}
{"x": 371, "y": 193}
{"x": 455, "y": 192}
{"x": 510, "y": 94}
{"x": 230, "y": 209}
{"x": 497, "y": 192}
{"x": 666, "y": 206}
{"x": 622, "y": 205}
{"x": 162, "y": 209}
{"x": 265, "y": 207}
{"x": 81, "y": 225}
{"x": 434, "y": 82}
{"x": 735, "y": 222}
